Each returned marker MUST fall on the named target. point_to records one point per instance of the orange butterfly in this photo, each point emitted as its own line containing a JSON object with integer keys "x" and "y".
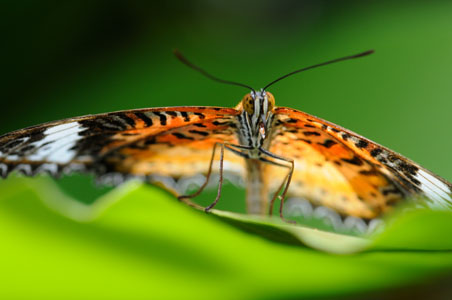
{"x": 273, "y": 149}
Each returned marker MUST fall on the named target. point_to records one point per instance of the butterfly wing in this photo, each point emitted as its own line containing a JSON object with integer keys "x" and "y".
{"x": 342, "y": 170}
{"x": 170, "y": 142}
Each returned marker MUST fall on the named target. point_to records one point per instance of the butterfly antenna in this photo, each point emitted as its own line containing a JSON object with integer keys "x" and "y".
{"x": 320, "y": 65}
{"x": 185, "y": 61}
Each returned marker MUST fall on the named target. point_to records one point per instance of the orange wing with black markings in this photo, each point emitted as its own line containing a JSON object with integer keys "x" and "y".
{"x": 340, "y": 169}
{"x": 145, "y": 143}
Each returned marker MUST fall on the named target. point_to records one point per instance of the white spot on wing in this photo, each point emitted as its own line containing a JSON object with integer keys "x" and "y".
{"x": 50, "y": 168}
{"x": 434, "y": 189}
{"x": 60, "y": 128}
{"x": 13, "y": 157}
{"x": 296, "y": 207}
{"x": 24, "y": 168}
{"x": 63, "y": 154}
{"x": 375, "y": 225}
{"x": 187, "y": 183}
{"x": 165, "y": 180}
{"x": 74, "y": 167}
{"x": 3, "y": 169}
{"x": 328, "y": 215}
{"x": 354, "y": 223}
{"x": 59, "y": 139}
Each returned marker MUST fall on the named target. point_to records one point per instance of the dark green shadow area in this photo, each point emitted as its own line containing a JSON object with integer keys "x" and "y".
{"x": 82, "y": 187}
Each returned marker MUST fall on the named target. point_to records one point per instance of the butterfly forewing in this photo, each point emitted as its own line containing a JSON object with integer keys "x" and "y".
{"x": 346, "y": 172}
{"x": 177, "y": 152}
{"x": 173, "y": 141}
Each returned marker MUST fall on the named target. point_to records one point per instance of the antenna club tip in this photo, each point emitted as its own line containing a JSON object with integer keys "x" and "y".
{"x": 176, "y": 52}
{"x": 181, "y": 57}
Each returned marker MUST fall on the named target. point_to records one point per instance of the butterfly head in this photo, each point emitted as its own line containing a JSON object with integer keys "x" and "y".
{"x": 258, "y": 102}
{"x": 258, "y": 105}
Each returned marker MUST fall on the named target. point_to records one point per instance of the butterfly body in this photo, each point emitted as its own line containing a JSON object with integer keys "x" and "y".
{"x": 254, "y": 122}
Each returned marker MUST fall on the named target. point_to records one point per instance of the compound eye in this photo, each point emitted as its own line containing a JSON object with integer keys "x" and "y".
{"x": 248, "y": 104}
{"x": 271, "y": 101}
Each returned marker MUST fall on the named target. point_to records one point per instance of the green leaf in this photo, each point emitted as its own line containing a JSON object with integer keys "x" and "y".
{"x": 276, "y": 230}
{"x": 137, "y": 241}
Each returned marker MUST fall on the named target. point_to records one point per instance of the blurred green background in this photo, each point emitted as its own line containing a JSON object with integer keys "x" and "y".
{"x": 64, "y": 59}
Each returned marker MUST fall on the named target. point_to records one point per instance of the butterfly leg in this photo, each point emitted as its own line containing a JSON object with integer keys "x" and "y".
{"x": 220, "y": 184}
{"x": 284, "y": 184}
{"x": 209, "y": 172}
{"x": 281, "y": 186}
{"x": 231, "y": 148}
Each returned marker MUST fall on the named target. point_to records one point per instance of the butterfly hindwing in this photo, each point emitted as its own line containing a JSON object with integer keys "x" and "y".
{"x": 349, "y": 173}
{"x": 173, "y": 141}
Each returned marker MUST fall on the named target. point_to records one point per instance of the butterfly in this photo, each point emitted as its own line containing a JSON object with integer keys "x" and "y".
{"x": 278, "y": 152}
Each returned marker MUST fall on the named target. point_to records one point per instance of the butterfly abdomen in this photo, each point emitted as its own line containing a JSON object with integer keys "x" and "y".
{"x": 257, "y": 188}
